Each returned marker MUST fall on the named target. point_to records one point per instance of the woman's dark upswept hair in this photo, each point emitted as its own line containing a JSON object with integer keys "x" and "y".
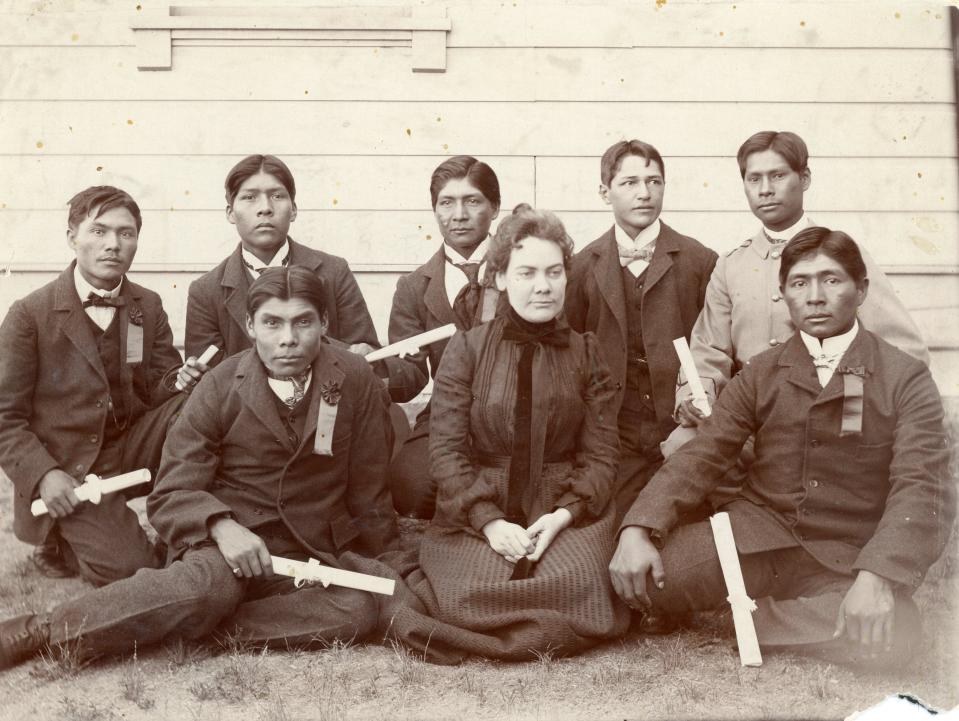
{"x": 833, "y": 243}
{"x": 521, "y": 224}
{"x": 286, "y": 283}
{"x": 250, "y": 166}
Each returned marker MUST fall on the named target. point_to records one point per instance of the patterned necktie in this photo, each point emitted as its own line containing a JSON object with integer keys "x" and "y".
{"x": 628, "y": 255}
{"x": 824, "y": 360}
{"x": 467, "y": 300}
{"x": 299, "y": 387}
{"x": 100, "y": 302}
{"x": 261, "y": 271}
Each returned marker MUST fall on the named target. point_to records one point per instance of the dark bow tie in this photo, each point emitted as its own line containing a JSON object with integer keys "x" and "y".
{"x": 100, "y": 302}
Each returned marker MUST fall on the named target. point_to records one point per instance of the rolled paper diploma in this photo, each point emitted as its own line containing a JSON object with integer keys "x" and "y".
{"x": 700, "y": 399}
{"x": 412, "y": 345}
{"x": 94, "y": 488}
{"x": 313, "y": 571}
{"x": 742, "y": 605}
{"x": 205, "y": 358}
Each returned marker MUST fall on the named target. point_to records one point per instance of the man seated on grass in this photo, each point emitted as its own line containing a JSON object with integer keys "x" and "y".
{"x": 281, "y": 450}
{"x": 87, "y": 373}
{"x": 848, "y": 502}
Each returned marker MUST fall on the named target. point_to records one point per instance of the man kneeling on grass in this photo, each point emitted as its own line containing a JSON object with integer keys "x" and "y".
{"x": 280, "y": 450}
{"x": 848, "y": 502}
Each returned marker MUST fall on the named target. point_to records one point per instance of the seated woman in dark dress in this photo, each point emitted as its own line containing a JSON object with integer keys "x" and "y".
{"x": 523, "y": 445}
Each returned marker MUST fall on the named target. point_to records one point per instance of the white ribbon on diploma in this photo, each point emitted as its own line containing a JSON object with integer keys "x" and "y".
{"x": 313, "y": 571}
{"x": 700, "y": 399}
{"x": 742, "y": 605}
{"x": 412, "y": 345}
{"x": 94, "y": 488}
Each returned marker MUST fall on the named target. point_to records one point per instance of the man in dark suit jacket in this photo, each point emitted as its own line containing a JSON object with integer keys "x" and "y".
{"x": 848, "y": 502}
{"x": 448, "y": 288}
{"x": 86, "y": 386}
{"x": 638, "y": 286}
{"x": 261, "y": 203}
{"x": 279, "y": 452}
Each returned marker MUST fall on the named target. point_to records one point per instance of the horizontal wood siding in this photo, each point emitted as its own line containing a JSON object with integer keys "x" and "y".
{"x": 537, "y": 89}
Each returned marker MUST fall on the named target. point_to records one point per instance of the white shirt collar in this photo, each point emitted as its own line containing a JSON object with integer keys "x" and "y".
{"x": 477, "y": 255}
{"x": 790, "y": 232}
{"x": 84, "y": 289}
{"x": 283, "y": 389}
{"x": 830, "y": 350}
{"x": 647, "y": 236}
{"x": 276, "y": 261}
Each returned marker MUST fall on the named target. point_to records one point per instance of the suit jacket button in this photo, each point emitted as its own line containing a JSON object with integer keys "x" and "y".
{"x": 99, "y": 404}
{"x": 282, "y": 504}
{"x": 814, "y": 443}
{"x": 79, "y": 468}
{"x": 814, "y": 483}
{"x": 94, "y": 438}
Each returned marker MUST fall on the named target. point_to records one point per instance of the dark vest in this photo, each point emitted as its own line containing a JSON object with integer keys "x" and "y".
{"x": 112, "y": 357}
{"x": 638, "y": 385}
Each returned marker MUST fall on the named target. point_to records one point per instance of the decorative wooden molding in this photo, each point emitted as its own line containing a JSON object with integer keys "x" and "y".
{"x": 423, "y": 30}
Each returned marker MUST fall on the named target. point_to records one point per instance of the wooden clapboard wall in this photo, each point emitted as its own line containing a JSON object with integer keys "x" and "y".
{"x": 536, "y": 89}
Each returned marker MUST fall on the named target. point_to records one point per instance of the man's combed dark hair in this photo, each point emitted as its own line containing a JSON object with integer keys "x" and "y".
{"x": 101, "y": 198}
{"x": 833, "y": 243}
{"x": 286, "y": 283}
{"x": 523, "y": 223}
{"x": 613, "y": 158}
{"x": 250, "y": 166}
{"x": 465, "y": 166}
{"x": 787, "y": 144}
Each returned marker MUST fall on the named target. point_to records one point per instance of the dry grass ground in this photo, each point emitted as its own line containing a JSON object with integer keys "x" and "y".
{"x": 692, "y": 674}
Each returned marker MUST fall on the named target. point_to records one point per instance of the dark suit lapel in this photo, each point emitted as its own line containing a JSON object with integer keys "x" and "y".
{"x": 435, "y": 298}
{"x": 608, "y": 274}
{"x": 257, "y": 395}
{"x": 801, "y": 373}
{"x": 73, "y": 320}
{"x": 326, "y": 373}
{"x": 235, "y": 280}
{"x": 662, "y": 259}
{"x": 123, "y": 318}
{"x": 301, "y": 255}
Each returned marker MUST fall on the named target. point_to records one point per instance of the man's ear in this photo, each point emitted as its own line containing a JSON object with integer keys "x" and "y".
{"x": 293, "y": 214}
{"x": 500, "y": 279}
{"x": 72, "y": 238}
{"x": 249, "y": 327}
{"x": 806, "y": 176}
{"x": 604, "y": 192}
{"x": 495, "y": 214}
{"x": 863, "y": 291}
{"x": 230, "y": 215}
{"x": 325, "y": 322}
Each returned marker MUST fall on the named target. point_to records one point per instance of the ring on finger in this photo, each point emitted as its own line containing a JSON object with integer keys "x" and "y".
{"x": 237, "y": 571}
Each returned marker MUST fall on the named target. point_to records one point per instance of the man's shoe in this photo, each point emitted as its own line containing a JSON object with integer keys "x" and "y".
{"x": 20, "y": 638}
{"x": 49, "y": 560}
{"x": 654, "y": 624}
